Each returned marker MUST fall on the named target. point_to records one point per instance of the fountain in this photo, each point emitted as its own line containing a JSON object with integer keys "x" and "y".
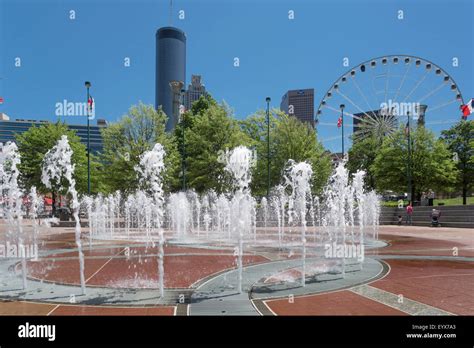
{"x": 150, "y": 173}
{"x": 289, "y": 220}
{"x": 238, "y": 163}
{"x": 34, "y": 208}
{"x": 57, "y": 167}
{"x": 12, "y": 199}
{"x": 298, "y": 178}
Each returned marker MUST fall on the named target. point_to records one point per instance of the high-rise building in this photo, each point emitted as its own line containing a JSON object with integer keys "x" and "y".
{"x": 299, "y": 103}
{"x": 195, "y": 90}
{"x": 170, "y": 66}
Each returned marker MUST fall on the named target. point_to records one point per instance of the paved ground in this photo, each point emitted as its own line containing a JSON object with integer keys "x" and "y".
{"x": 419, "y": 271}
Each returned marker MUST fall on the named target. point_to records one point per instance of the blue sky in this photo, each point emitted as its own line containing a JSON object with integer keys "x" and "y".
{"x": 276, "y": 54}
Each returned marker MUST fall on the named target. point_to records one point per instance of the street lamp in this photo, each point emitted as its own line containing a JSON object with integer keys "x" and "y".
{"x": 88, "y": 86}
{"x": 183, "y": 125}
{"x": 408, "y": 131}
{"x": 268, "y": 100}
{"x": 176, "y": 89}
{"x": 342, "y": 106}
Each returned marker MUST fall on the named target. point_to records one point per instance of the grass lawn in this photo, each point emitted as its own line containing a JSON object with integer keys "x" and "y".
{"x": 447, "y": 201}
{"x": 453, "y": 201}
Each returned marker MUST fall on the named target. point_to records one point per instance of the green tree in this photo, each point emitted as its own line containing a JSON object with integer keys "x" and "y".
{"x": 460, "y": 141}
{"x": 126, "y": 140}
{"x": 213, "y": 131}
{"x": 199, "y": 107}
{"x": 431, "y": 164}
{"x": 362, "y": 155}
{"x": 37, "y": 140}
{"x": 289, "y": 139}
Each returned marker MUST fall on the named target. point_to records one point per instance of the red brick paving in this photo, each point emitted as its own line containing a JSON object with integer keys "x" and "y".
{"x": 447, "y": 285}
{"x": 25, "y": 308}
{"x": 335, "y": 303}
{"x": 443, "y": 284}
{"x": 410, "y": 245}
{"x": 104, "y": 310}
{"x": 181, "y": 271}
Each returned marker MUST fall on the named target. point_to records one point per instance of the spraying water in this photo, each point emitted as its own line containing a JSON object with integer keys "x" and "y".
{"x": 57, "y": 166}
{"x": 34, "y": 208}
{"x": 298, "y": 178}
{"x": 239, "y": 162}
{"x": 150, "y": 173}
{"x": 12, "y": 198}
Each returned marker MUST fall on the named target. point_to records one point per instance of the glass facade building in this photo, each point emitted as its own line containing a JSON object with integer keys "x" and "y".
{"x": 9, "y": 128}
{"x": 170, "y": 66}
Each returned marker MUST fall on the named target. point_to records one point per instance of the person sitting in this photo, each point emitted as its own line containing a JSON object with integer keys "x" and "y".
{"x": 435, "y": 215}
{"x": 400, "y": 220}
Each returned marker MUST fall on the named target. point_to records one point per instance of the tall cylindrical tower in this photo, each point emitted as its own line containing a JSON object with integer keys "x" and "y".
{"x": 170, "y": 66}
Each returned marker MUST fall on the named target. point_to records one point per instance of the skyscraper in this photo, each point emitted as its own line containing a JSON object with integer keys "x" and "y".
{"x": 170, "y": 66}
{"x": 299, "y": 103}
{"x": 195, "y": 90}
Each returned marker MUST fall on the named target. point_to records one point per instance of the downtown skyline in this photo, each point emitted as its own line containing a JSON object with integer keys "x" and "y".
{"x": 305, "y": 52}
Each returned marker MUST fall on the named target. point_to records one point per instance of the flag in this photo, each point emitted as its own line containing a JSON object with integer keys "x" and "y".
{"x": 1, "y": 100}
{"x": 467, "y": 109}
{"x": 407, "y": 128}
{"x": 339, "y": 122}
{"x": 90, "y": 103}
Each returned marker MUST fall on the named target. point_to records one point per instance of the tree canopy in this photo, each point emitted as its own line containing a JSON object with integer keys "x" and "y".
{"x": 460, "y": 141}
{"x": 362, "y": 155}
{"x": 289, "y": 139}
{"x": 126, "y": 140}
{"x": 431, "y": 163}
{"x": 37, "y": 140}
{"x": 212, "y": 131}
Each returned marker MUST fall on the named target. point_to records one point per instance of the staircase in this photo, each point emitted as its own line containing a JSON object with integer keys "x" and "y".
{"x": 451, "y": 216}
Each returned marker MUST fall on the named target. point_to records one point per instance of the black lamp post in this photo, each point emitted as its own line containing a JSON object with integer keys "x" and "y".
{"x": 342, "y": 106}
{"x": 183, "y": 163}
{"x": 410, "y": 193}
{"x": 177, "y": 92}
{"x": 88, "y": 85}
{"x": 268, "y": 100}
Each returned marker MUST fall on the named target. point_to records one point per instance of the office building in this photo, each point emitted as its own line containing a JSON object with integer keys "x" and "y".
{"x": 8, "y": 129}
{"x": 299, "y": 103}
{"x": 195, "y": 90}
{"x": 170, "y": 66}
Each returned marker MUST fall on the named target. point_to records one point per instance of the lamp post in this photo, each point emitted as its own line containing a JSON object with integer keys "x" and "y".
{"x": 88, "y": 86}
{"x": 183, "y": 162}
{"x": 342, "y": 106}
{"x": 176, "y": 89}
{"x": 268, "y": 100}
{"x": 408, "y": 130}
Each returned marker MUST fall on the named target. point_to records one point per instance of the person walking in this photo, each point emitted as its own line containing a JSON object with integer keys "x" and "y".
{"x": 409, "y": 213}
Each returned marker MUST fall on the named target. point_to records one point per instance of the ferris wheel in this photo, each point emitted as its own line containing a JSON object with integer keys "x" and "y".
{"x": 375, "y": 96}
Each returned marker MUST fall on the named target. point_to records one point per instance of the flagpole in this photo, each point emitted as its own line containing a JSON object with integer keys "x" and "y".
{"x": 342, "y": 106}
{"x": 88, "y": 85}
